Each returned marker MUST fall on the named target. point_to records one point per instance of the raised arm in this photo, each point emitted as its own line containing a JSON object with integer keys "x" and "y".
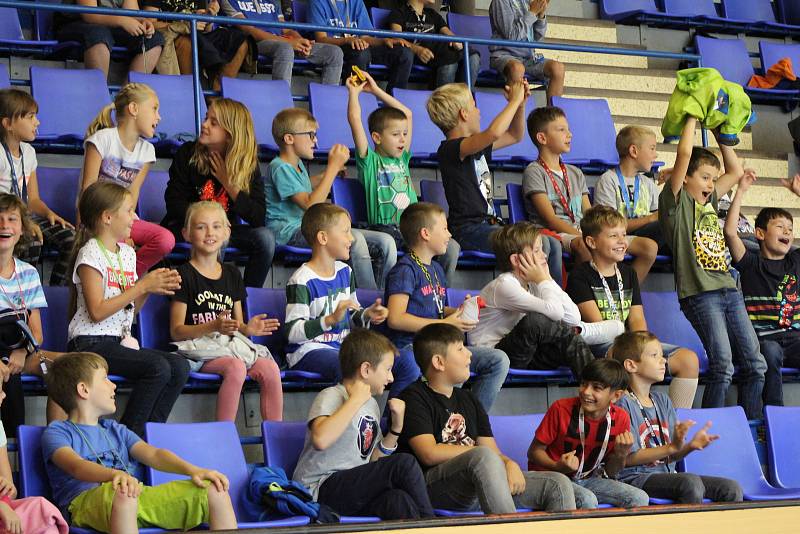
{"x": 354, "y": 88}
{"x": 684, "y": 155}
{"x": 733, "y": 168}
{"x": 499, "y": 125}
{"x": 731, "y": 228}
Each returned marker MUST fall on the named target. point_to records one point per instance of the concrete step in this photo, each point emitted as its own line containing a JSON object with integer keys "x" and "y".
{"x": 589, "y": 76}
{"x": 599, "y": 31}
{"x": 767, "y": 166}
{"x": 608, "y": 60}
{"x": 626, "y": 103}
{"x": 746, "y": 137}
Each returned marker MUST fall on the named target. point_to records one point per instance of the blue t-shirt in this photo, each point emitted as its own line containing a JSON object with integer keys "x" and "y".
{"x": 340, "y": 13}
{"x": 283, "y": 182}
{"x": 407, "y": 278}
{"x": 662, "y": 418}
{"x": 255, "y": 10}
{"x": 108, "y": 444}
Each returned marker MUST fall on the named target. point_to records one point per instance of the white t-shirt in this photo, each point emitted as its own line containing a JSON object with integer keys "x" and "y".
{"x": 28, "y": 158}
{"x": 120, "y": 323}
{"x": 119, "y": 164}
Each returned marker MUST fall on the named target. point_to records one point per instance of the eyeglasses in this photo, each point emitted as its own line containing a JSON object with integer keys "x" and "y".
{"x": 311, "y": 135}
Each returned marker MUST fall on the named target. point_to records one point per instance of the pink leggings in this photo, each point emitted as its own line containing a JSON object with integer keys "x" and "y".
{"x": 38, "y": 516}
{"x": 153, "y": 242}
{"x": 233, "y": 370}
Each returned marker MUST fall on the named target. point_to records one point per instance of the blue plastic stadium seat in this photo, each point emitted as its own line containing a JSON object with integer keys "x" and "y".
{"x": 12, "y": 39}
{"x": 491, "y": 104}
{"x": 283, "y": 443}
{"x": 264, "y": 99}
{"x": 191, "y": 442}
{"x": 666, "y": 320}
{"x": 69, "y": 99}
{"x": 788, "y": 11}
{"x": 58, "y": 188}
{"x": 700, "y": 10}
{"x": 5, "y": 81}
{"x": 152, "y": 206}
{"x": 593, "y": 133}
{"x": 627, "y": 10}
{"x": 54, "y": 322}
{"x": 475, "y": 26}
{"x": 733, "y": 455}
{"x": 784, "y": 462}
{"x": 772, "y": 52}
{"x": 349, "y": 194}
{"x": 300, "y": 11}
{"x": 329, "y": 106}
{"x": 426, "y": 136}
{"x": 514, "y": 433}
{"x": 516, "y": 203}
{"x": 380, "y": 18}
{"x": 154, "y": 323}
{"x": 758, "y": 14}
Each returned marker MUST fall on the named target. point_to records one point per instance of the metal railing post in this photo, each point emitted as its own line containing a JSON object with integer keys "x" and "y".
{"x": 467, "y": 74}
{"x": 197, "y": 89}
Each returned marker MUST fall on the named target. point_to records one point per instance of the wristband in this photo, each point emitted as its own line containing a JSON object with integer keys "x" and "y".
{"x": 384, "y": 450}
{"x": 393, "y": 433}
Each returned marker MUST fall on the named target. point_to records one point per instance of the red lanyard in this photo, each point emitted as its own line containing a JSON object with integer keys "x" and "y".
{"x": 564, "y": 200}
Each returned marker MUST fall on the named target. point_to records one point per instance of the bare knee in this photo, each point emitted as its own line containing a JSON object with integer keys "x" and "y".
{"x": 514, "y": 71}
{"x": 554, "y": 70}
{"x": 123, "y": 504}
{"x": 684, "y": 364}
{"x": 644, "y": 248}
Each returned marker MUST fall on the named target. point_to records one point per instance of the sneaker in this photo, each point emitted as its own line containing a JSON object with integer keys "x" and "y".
{"x": 602, "y": 332}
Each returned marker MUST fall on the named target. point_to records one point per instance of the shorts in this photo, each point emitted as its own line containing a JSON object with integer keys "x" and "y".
{"x": 177, "y": 505}
{"x": 534, "y": 65}
{"x": 566, "y": 240}
{"x": 92, "y": 34}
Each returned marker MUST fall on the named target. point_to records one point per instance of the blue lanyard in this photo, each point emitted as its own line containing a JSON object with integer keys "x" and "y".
{"x": 630, "y": 206}
{"x": 23, "y": 195}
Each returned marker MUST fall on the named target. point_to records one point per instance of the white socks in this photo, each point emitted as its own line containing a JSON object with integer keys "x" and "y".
{"x": 681, "y": 392}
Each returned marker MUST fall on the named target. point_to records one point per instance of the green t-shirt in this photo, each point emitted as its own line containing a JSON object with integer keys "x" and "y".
{"x": 387, "y": 185}
{"x": 699, "y": 252}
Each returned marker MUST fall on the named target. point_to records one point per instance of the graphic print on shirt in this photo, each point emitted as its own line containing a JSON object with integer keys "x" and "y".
{"x": 572, "y": 441}
{"x": 485, "y": 183}
{"x": 604, "y": 306}
{"x": 393, "y": 184}
{"x": 221, "y": 197}
{"x": 455, "y": 431}
{"x": 708, "y": 240}
{"x": 112, "y": 275}
{"x": 787, "y": 299}
{"x": 367, "y": 432}
{"x": 114, "y": 170}
{"x": 646, "y": 438}
{"x": 216, "y": 302}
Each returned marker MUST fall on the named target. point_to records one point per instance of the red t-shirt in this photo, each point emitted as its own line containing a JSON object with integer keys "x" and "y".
{"x": 559, "y": 432}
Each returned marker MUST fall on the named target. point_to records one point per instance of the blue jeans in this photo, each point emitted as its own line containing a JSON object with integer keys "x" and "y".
{"x": 593, "y": 490}
{"x": 475, "y": 236}
{"x": 490, "y": 365}
{"x": 720, "y": 319}
{"x": 781, "y": 349}
{"x": 259, "y": 245}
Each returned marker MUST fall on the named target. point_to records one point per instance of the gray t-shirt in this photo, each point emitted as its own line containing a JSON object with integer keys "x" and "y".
{"x": 536, "y": 180}
{"x": 607, "y": 193}
{"x": 352, "y": 449}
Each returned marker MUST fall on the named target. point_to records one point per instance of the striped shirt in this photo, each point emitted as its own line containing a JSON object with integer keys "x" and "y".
{"x": 23, "y": 290}
{"x": 309, "y": 298}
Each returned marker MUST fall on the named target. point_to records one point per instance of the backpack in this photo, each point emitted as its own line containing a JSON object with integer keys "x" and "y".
{"x": 270, "y": 493}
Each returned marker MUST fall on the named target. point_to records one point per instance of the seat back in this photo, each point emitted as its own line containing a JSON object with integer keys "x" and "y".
{"x": 349, "y": 194}
{"x": 516, "y": 203}
{"x": 10, "y": 27}
{"x": 729, "y": 56}
{"x": 690, "y": 8}
{"x": 69, "y": 99}
{"x": 666, "y": 320}
{"x": 432, "y": 191}
{"x": 784, "y": 462}
{"x": 58, "y": 188}
{"x": 514, "y": 433}
{"x": 472, "y": 26}
{"x": 614, "y": 9}
{"x": 283, "y": 443}
{"x": 748, "y": 10}
{"x": 152, "y": 206}
{"x": 456, "y": 295}
{"x": 264, "y": 99}
{"x": 380, "y": 18}
{"x": 788, "y": 11}
{"x": 273, "y": 303}
{"x": 33, "y": 479}
{"x": 490, "y": 105}
{"x": 176, "y": 98}
{"x": 771, "y": 53}
{"x": 593, "y": 133}
{"x": 299, "y": 11}
{"x": 5, "y": 80}
{"x": 329, "y": 106}
{"x": 212, "y": 445}
{"x": 154, "y": 323}
{"x": 55, "y": 319}
{"x": 733, "y": 455}
{"x": 426, "y": 137}
{"x": 43, "y": 21}
{"x": 367, "y": 296}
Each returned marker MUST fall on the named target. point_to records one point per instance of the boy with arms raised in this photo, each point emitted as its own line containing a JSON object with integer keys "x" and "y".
{"x": 95, "y": 466}
{"x": 416, "y": 295}
{"x": 448, "y": 431}
{"x": 687, "y": 212}
{"x": 607, "y": 293}
{"x": 346, "y": 462}
{"x": 588, "y": 438}
{"x": 556, "y": 195}
{"x": 659, "y": 439}
{"x": 769, "y": 281}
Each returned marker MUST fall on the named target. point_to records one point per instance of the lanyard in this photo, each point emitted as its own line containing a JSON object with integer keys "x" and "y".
{"x": 612, "y": 303}
{"x": 601, "y": 454}
{"x": 122, "y": 278}
{"x": 630, "y": 205}
{"x": 23, "y": 195}
{"x": 19, "y": 312}
{"x": 347, "y": 12}
{"x": 564, "y": 200}
{"x": 523, "y": 6}
{"x": 662, "y": 440}
{"x": 437, "y": 298}
{"x": 111, "y": 448}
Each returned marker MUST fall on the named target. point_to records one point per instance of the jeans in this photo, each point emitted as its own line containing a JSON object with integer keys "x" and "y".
{"x": 328, "y": 56}
{"x": 399, "y": 59}
{"x": 392, "y": 487}
{"x": 781, "y": 349}
{"x": 383, "y": 248}
{"x": 158, "y": 377}
{"x": 475, "y": 236}
{"x": 259, "y": 245}
{"x": 476, "y": 479}
{"x": 688, "y": 488}
{"x": 555, "y": 261}
{"x": 720, "y": 319}
{"x": 608, "y": 491}
{"x": 12, "y": 411}
{"x": 455, "y": 71}
{"x": 322, "y": 361}
{"x": 490, "y": 365}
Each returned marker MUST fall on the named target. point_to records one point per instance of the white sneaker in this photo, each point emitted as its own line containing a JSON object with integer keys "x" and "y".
{"x": 602, "y": 332}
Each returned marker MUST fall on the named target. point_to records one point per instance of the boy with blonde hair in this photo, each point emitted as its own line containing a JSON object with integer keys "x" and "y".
{"x": 290, "y": 191}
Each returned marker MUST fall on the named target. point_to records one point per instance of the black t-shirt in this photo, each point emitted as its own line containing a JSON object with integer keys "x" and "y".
{"x": 205, "y": 297}
{"x": 584, "y": 284}
{"x": 175, "y": 6}
{"x": 458, "y": 420}
{"x": 770, "y": 291}
{"x": 429, "y": 22}
{"x": 463, "y": 184}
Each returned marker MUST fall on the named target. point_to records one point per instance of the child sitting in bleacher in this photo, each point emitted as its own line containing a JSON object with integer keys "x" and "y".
{"x": 659, "y": 438}
{"x": 222, "y": 165}
{"x": 208, "y": 306}
{"x": 526, "y": 21}
{"x": 321, "y": 301}
{"x": 122, "y": 155}
{"x": 769, "y": 284}
{"x": 627, "y": 189}
{"x": 687, "y": 212}
{"x": 416, "y": 295}
{"x": 449, "y": 432}
{"x": 556, "y": 194}
{"x": 290, "y": 191}
{"x": 105, "y": 294}
{"x": 347, "y": 463}
{"x": 384, "y": 172}
{"x": 18, "y": 123}
{"x": 608, "y": 297}
{"x": 588, "y": 438}
{"x": 527, "y": 315}
{"x": 96, "y": 466}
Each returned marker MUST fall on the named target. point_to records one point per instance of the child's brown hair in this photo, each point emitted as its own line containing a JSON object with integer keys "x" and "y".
{"x": 539, "y": 118}
{"x": 416, "y": 217}
{"x": 597, "y": 218}
{"x": 289, "y": 121}
{"x": 9, "y": 202}
{"x": 630, "y": 345}
{"x": 320, "y": 217}
{"x": 362, "y": 345}
{"x": 702, "y": 156}
{"x": 512, "y": 239}
{"x": 434, "y": 339}
{"x": 67, "y": 372}
{"x": 13, "y": 105}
